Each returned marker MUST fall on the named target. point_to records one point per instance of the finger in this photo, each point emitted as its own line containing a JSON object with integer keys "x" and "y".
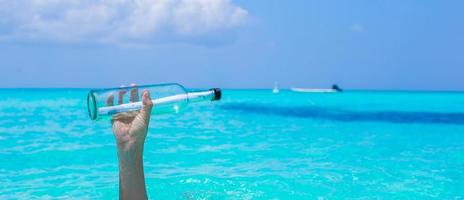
{"x": 122, "y": 92}
{"x": 146, "y": 100}
{"x": 147, "y": 106}
{"x": 134, "y": 93}
{"x": 110, "y": 100}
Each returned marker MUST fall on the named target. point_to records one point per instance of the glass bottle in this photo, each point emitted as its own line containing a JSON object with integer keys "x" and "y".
{"x": 166, "y": 98}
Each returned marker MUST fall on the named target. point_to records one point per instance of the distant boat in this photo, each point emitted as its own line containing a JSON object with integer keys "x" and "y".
{"x": 276, "y": 88}
{"x": 334, "y": 88}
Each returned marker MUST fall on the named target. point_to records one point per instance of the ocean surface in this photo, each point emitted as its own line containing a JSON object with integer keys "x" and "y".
{"x": 253, "y": 144}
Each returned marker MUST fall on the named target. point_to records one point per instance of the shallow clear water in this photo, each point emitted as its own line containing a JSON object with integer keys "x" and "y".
{"x": 251, "y": 145}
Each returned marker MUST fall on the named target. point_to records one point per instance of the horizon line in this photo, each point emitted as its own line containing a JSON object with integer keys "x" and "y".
{"x": 231, "y": 88}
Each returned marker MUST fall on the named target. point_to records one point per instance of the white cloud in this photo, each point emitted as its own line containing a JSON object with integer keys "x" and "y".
{"x": 114, "y": 21}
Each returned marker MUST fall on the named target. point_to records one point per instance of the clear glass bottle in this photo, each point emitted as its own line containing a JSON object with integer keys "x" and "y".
{"x": 166, "y": 98}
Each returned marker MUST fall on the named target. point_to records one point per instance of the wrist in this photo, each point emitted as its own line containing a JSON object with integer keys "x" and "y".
{"x": 130, "y": 144}
{"x": 130, "y": 161}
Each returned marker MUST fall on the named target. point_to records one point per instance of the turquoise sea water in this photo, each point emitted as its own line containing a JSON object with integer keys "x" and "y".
{"x": 251, "y": 145}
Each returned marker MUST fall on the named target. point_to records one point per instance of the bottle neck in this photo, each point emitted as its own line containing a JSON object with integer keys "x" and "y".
{"x": 197, "y": 96}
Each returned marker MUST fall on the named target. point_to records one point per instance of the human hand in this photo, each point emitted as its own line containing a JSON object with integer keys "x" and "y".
{"x": 130, "y": 128}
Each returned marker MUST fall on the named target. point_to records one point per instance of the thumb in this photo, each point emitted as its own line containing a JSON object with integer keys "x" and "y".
{"x": 147, "y": 105}
{"x": 146, "y": 100}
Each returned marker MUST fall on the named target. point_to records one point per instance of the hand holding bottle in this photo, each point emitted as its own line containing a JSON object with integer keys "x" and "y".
{"x": 130, "y": 130}
{"x": 131, "y": 127}
{"x": 130, "y": 118}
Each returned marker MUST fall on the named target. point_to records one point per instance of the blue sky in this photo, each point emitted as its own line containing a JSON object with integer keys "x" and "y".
{"x": 413, "y": 45}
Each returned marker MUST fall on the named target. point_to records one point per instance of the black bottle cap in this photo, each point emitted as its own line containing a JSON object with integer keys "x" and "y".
{"x": 217, "y": 94}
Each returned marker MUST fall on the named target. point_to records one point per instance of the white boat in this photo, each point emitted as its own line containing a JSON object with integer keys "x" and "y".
{"x": 276, "y": 88}
{"x": 334, "y": 88}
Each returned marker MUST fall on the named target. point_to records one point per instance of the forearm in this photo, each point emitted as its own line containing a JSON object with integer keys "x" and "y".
{"x": 131, "y": 176}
